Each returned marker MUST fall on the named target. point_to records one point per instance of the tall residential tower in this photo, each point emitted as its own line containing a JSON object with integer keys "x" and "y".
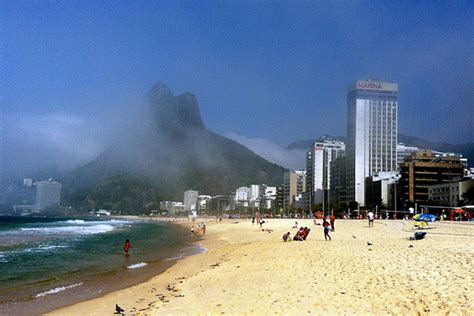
{"x": 294, "y": 185}
{"x": 318, "y": 171}
{"x": 372, "y": 126}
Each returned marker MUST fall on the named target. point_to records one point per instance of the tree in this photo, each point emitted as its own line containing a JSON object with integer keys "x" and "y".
{"x": 468, "y": 196}
{"x": 353, "y": 205}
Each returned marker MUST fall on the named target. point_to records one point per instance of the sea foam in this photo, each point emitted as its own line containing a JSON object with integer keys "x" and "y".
{"x": 58, "y": 289}
{"x": 76, "y": 230}
{"x": 75, "y": 221}
{"x": 137, "y": 265}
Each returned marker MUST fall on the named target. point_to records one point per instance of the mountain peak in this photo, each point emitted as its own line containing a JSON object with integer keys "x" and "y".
{"x": 160, "y": 91}
{"x": 174, "y": 115}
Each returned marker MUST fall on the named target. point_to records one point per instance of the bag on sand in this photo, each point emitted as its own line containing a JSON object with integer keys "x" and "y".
{"x": 418, "y": 236}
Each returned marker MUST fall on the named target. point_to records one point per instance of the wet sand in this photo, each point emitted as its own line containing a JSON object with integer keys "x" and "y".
{"x": 249, "y": 271}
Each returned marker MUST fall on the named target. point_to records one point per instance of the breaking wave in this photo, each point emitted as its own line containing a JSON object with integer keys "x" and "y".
{"x": 137, "y": 265}
{"x": 76, "y": 230}
{"x": 58, "y": 289}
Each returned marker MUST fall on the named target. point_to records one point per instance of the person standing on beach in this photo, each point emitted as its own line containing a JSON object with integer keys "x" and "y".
{"x": 332, "y": 219}
{"x": 370, "y": 217}
{"x": 126, "y": 246}
{"x": 192, "y": 230}
{"x": 326, "y": 227}
{"x": 203, "y": 228}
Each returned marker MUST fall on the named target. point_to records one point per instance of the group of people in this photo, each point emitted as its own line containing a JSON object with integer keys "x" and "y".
{"x": 259, "y": 221}
{"x": 301, "y": 234}
{"x": 201, "y": 228}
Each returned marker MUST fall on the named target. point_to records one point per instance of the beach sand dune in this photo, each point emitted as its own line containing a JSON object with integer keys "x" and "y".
{"x": 250, "y": 271}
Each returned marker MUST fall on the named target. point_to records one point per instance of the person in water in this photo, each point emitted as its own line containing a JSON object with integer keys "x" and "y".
{"x": 126, "y": 246}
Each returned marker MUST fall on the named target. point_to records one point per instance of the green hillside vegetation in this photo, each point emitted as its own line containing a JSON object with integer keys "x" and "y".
{"x": 120, "y": 193}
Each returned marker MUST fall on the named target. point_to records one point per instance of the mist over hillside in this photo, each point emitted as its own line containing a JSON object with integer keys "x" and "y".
{"x": 167, "y": 152}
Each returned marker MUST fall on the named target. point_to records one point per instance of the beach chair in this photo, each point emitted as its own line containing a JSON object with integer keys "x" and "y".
{"x": 306, "y": 233}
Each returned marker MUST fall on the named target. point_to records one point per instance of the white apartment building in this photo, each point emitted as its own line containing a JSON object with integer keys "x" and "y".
{"x": 190, "y": 200}
{"x": 202, "y": 202}
{"x": 267, "y": 196}
{"x": 318, "y": 168}
{"x": 242, "y": 196}
{"x": 254, "y": 195}
{"x": 48, "y": 193}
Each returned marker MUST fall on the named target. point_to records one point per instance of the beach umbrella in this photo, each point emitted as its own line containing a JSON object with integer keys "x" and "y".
{"x": 424, "y": 218}
{"x": 459, "y": 210}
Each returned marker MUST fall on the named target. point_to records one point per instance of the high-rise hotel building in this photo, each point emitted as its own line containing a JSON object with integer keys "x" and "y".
{"x": 372, "y": 126}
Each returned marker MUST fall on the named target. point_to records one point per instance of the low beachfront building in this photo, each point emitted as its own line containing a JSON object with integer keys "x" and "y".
{"x": 449, "y": 193}
{"x": 423, "y": 169}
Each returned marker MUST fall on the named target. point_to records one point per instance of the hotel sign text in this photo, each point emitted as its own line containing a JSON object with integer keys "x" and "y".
{"x": 369, "y": 85}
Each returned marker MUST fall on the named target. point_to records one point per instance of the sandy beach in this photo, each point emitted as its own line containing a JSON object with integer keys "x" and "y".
{"x": 249, "y": 271}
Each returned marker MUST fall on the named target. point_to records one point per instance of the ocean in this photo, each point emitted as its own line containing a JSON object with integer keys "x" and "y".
{"x": 46, "y": 263}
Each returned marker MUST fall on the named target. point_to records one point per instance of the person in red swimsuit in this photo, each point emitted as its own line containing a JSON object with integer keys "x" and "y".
{"x": 126, "y": 246}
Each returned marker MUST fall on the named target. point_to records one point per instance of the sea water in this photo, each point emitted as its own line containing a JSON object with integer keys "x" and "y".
{"x": 41, "y": 258}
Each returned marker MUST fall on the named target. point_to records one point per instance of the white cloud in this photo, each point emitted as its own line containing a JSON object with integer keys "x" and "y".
{"x": 291, "y": 159}
{"x": 55, "y": 140}
{"x": 73, "y": 138}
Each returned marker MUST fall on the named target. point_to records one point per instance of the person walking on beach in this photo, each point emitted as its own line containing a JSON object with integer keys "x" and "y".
{"x": 326, "y": 227}
{"x": 203, "y": 228}
{"x": 370, "y": 217}
{"x": 332, "y": 219}
{"x": 192, "y": 230}
{"x": 126, "y": 246}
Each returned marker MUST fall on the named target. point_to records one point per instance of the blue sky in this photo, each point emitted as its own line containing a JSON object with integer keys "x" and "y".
{"x": 271, "y": 70}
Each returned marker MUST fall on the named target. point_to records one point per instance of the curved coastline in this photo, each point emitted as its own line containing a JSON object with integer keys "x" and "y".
{"x": 64, "y": 294}
{"x": 250, "y": 271}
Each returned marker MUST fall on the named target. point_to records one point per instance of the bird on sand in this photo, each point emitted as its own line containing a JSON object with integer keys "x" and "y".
{"x": 118, "y": 309}
{"x": 369, "y": 244}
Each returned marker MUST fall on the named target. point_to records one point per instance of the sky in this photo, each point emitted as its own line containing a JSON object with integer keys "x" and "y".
{"x": 73, "y": 72}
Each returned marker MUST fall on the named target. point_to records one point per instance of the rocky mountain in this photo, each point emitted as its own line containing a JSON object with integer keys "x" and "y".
{"x": 167, "y": 152}
{"x": 467, "y": 149}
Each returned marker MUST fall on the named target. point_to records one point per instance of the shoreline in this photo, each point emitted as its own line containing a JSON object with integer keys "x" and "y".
{"x": 69, "y": 291}
{"x": 164, "y": 280}
{"x": 249, "y": 271}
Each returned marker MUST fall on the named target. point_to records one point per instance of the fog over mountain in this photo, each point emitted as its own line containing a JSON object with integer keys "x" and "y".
{"x": 170, "y": 150}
